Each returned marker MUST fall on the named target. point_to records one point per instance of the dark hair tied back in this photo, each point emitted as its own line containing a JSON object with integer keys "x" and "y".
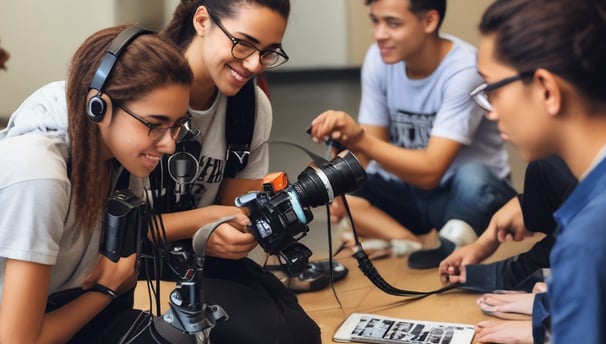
{"x": 563, "y": 36}
{"x": 180, "y": 29}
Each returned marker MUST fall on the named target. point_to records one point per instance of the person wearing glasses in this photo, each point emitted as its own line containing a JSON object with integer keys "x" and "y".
{"x": 437, "y": 168}
{"x": 511, "y": 284}
{"x": 228, "y": 43}
{"x": 550, "y": 102}
{"x": 59, "y": 166}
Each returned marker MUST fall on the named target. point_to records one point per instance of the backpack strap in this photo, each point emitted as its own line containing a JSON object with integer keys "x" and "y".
{"x": 239, "y": 127}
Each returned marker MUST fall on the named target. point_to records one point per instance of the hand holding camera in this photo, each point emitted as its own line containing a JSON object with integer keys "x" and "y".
{"x": 232, "y": 240}
{"x": 280, "y": 213}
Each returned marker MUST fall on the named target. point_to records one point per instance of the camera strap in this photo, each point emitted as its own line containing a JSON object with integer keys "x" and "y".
{"x": 201, "y": 236}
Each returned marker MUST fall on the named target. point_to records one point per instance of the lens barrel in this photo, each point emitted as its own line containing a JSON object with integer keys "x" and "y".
{"x": 319, "y": 185}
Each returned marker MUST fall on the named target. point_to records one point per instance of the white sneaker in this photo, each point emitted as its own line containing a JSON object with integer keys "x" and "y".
{"x": 403, "y": 247}
{"x": 459, "y": 232}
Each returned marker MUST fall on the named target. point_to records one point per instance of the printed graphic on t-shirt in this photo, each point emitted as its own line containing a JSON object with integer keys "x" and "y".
{"x": 210, "y": 172}
{"x": 411, "y": 130}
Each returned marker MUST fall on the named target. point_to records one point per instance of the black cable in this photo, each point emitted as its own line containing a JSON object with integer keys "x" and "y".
{"x": 365, "y": 265}
{"x": 330, "y": 258}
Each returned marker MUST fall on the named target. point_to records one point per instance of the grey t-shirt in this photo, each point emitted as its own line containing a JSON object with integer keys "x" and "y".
{"x": 439, "y": 105}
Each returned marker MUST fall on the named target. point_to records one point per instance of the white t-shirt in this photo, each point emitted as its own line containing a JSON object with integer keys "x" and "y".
{"x": 36, "y": 216}
{"x": 415, "y": 109}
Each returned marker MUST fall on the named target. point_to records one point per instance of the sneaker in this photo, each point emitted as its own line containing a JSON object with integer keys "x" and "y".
{"x": 427, "y": 259}
{"x": 374, "y": 248}
{"x": 459, "y": 232}
{"x": 403, "y": 247}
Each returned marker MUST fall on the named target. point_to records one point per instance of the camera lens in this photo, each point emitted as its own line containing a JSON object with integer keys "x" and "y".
{"x": 319, "y": 185}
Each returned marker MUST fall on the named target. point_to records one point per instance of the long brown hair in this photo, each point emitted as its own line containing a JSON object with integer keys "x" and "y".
{"x": 147, "y": 63}
{"x": 180, "y": 29}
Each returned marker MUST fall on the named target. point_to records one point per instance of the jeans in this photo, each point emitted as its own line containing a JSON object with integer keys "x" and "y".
{"x": 473, "y": 194}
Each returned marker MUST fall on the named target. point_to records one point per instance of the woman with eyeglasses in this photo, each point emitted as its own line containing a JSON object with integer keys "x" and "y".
{"x": 61, "y": 157}
{"x": 228, "y": 43}
{"x": 543, "y": 66}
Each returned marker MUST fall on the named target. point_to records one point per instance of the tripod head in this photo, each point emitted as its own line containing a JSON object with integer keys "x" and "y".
{"x": 189, "y": 319}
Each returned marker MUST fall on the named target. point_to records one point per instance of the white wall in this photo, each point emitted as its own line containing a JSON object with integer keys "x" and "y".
{"x": 316, "y": 36}
{"x": 41, "y": 35}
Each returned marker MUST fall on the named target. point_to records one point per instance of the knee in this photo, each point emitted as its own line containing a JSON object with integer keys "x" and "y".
{"x": 474, "y": 180}
{"x": 472, "y": 176}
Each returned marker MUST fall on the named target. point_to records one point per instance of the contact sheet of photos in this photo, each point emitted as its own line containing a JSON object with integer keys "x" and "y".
{"x": 371, "y": 328}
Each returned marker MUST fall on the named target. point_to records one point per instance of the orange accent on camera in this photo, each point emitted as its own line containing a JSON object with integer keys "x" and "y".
{"x": 277, "y": 180}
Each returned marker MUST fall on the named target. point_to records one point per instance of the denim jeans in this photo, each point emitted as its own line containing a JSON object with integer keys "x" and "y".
{"x": 473, "y": 194}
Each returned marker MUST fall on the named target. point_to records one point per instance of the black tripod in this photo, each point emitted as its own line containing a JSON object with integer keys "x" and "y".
{"x": 189, "y": 319}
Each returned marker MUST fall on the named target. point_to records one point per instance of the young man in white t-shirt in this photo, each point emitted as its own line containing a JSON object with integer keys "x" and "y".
{"x": 435, "y": 164}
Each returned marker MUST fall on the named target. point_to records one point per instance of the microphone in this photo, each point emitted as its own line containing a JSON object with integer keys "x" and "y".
{"x": 183, "y": 169}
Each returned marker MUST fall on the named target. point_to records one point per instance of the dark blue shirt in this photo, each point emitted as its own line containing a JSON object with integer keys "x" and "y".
{"x": 577, "y": 287}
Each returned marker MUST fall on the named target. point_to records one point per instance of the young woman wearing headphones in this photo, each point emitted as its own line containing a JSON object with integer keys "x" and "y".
{"x": 122, "y": 107}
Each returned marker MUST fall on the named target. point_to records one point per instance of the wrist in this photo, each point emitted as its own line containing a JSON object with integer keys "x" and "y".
{"x": 354, "y": 139}
{"x": 99, "y": 288}
{"x": 354, "y": 143}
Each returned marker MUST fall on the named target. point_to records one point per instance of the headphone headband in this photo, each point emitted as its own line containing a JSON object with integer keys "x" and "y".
{"x": 96, "y": 106}
{"x": 113, "y": 54}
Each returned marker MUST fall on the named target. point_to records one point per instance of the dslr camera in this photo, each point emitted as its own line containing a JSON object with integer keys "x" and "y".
{"x": 280, "y": 213}
{"x": 124, "y": 225}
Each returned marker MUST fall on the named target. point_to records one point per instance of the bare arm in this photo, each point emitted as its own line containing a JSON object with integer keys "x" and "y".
{"x": 423, "y": 167}
{"x": 22, "y": 315}
{"x": 234, "y": 187}
{"x": 231, "y": 240}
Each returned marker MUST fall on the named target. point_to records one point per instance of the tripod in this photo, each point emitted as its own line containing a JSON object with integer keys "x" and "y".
{"x": 189, "y": 319}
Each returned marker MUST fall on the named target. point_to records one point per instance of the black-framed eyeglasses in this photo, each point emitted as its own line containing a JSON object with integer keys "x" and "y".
{"x": 480, "y": 93}
{"x": 242, "y": 49}
{"x": 156, "y": 131}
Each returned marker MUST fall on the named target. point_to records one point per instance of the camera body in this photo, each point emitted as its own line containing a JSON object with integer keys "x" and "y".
{"x": 124, "y": 225}
{"x": 280, "y": 213}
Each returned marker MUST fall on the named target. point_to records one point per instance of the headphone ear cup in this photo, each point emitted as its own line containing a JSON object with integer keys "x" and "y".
{"x": 96, "y": 108}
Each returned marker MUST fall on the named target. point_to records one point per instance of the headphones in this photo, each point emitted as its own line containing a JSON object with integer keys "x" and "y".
{"x": 96, "y": 106}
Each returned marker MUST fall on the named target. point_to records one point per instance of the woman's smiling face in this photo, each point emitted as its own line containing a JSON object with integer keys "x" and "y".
{"x": 128, "y": 139}
{"x": 211, "y": 52}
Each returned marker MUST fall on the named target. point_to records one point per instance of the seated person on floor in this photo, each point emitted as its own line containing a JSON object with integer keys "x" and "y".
{"x": 434, "y": 161}
{"x": 547, "y": 184}
{"x": 549, "y": 103}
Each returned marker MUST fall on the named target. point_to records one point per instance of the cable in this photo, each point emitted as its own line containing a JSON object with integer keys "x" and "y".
{"x": 365, "y": 265}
